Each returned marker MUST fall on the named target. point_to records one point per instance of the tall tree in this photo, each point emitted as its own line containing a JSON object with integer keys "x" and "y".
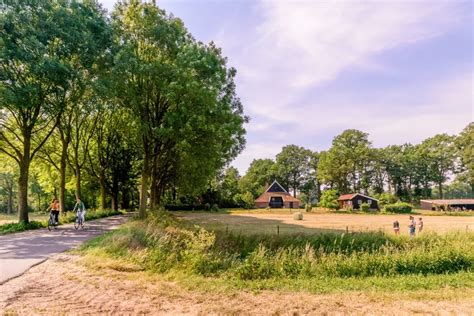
{"x": 260, "y": 174}
{"x": 346, "y": 164}
{"x": 439, "y": 151}
{"x": 38, "y": 63}
{"x": 182, "y": 94}
{"x": 465, "y": 146}
{"x": 292, "y": 166}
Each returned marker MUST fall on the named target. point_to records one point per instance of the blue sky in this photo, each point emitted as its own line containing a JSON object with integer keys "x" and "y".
{"x": 307, "y": 70}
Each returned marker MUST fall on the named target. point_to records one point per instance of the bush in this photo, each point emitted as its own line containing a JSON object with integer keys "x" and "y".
{"x": 329, "y": 199}
{"x": 365, "y": 207}
{"x": 308, "y": 208}
{"x": 387, "y": 198}
{"x": 215, "y": 208}
{"x": 399, "y": 207}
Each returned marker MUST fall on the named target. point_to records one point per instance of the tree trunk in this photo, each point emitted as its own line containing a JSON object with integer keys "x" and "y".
{"x": 10, "y": 197}
{"x": 78, "y": 180}
{"x": 144, "y": 183}
{"x": 440, "y": 186}
{"x": 62, "y": 178}
{"x": 153, "y": 186}
{"x": 23, "y": 187}
{"x": 103, "y": 192}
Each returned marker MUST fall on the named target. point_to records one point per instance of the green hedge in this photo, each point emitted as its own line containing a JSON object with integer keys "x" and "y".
{"x": 399, "y": 207}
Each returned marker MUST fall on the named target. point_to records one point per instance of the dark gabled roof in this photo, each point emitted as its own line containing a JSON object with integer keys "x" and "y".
{"x": 276, "y": 187}
{"x": 346, "y": 197}
{"x": 274, "y": 190}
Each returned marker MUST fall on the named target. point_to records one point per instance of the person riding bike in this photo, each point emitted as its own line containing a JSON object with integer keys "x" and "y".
{"x": 54, "y": 208}
{"x": 80, "y": 208}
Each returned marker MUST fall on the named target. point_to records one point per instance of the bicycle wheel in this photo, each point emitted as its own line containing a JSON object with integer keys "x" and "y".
{"x": 50, "y": 223}
{"x": 76, "y": 223}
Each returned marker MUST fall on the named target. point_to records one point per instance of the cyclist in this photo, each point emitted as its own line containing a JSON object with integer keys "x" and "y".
{"x": 54, "y": 208}
{"x": 80, "y": 208}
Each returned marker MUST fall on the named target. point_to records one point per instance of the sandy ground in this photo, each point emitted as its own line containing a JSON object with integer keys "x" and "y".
{"x": 267, "y": 222}
{"x": 62, "y": 286}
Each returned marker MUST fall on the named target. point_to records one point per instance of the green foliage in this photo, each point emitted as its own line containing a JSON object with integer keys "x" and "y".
{"x": 247, "y": 200}
{"x": 260, "y": 174}
{"x": 345, "y": 164}
{"x": 293, "y": 167}
{"x": 329, "y": 199}
{"x": 387, "y": 198}
{"x": 365, "y": 207}
{"x": 21, "y": 226}
{"x": 399, "y": 207}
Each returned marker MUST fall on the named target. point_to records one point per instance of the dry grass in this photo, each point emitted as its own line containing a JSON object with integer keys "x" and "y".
{"x": 250, "y": 222}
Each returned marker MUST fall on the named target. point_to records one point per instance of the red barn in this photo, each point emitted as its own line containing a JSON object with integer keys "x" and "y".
{"x": 276, "y": 197}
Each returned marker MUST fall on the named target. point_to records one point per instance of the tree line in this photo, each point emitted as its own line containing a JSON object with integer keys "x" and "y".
{"x": 441, "y": 166}
{"x": 96, "y": 105}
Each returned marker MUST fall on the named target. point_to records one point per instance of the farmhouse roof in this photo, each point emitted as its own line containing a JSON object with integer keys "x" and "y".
{"x": 274, "y": 190}
{"x": 450, "y": 201}
{"x": 346, "y": 197}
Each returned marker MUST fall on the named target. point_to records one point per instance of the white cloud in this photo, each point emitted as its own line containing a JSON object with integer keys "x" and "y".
{"x": 314, "y": 41}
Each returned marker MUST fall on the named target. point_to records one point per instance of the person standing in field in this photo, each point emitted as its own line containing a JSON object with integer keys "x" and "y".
{"x": 396, "y": 228}
{"x": 420, "y": 225}
{"x": 412, "y": 226}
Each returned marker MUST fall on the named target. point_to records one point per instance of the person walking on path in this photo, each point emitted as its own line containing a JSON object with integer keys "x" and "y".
{"x": 412, "y": 226}
{"x": 54, "y": 208}
{"x": 396, "y": 228}
{"x": 80, "y": 208}
{"x": 420, "y": 225}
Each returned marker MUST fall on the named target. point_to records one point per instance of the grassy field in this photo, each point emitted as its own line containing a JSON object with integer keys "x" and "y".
{"x": 13, "y": 218}
{"x": 327, "y": 262}
{"x": 282, "y": 222}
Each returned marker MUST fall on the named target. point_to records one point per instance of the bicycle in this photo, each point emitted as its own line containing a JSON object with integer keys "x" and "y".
{"x": 79, "y": 222}
{"x": 52, "y": 224}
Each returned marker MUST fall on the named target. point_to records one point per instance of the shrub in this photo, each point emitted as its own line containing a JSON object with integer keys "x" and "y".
{"x": 399, "y": 207}
{"x": 215, "y": 208}
{"x": 387, "y": 198}
{"x": 308, "y": 208}
{"x": 248, "y": 200}
{"x": 329, "y": 199}
{"x": 365, "y": 207}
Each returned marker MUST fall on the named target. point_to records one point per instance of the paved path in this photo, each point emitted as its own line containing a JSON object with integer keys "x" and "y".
{"x": 21, "y": 251}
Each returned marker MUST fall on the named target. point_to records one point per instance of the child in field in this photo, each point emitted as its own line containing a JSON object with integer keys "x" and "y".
{"x": 396, "y": 227}
{"x": 412, "y": 226}
{"x": 420, "y": 225}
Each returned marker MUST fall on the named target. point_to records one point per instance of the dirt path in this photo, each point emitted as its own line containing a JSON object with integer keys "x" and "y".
{"x": 73, "y": 290}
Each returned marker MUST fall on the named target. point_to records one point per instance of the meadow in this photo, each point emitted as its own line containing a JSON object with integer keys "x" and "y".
{"x": 322, "y": 262}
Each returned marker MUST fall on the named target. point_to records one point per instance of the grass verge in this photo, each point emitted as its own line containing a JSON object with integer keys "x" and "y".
{"x": 68, "y": 218}
{"x": 321, "y": 263}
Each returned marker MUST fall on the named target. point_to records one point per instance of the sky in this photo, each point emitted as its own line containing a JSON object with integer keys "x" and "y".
{"x": 401, "y": 71}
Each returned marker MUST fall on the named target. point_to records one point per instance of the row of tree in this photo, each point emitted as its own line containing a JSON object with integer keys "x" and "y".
{"x": 408, "y": 172}
{"x": 95, "y": 103}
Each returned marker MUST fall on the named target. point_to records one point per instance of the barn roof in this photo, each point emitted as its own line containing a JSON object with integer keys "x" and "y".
{"x": 276, "y": 189}
{"x": 287, "y": 197}
{"x": 450, "y": 201}
{"x": 346, "y": 197}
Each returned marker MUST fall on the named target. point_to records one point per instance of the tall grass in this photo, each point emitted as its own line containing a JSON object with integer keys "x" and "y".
{"x": 165, "y": 246}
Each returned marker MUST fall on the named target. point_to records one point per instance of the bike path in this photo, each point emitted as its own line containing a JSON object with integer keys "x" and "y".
{"x": 21, "y": 251}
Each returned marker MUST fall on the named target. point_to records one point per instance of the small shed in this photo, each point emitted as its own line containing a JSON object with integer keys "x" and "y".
{"x": 354, "y": 201}
{"x": 276, "y": 197}
{"x": 448, "y": 204}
